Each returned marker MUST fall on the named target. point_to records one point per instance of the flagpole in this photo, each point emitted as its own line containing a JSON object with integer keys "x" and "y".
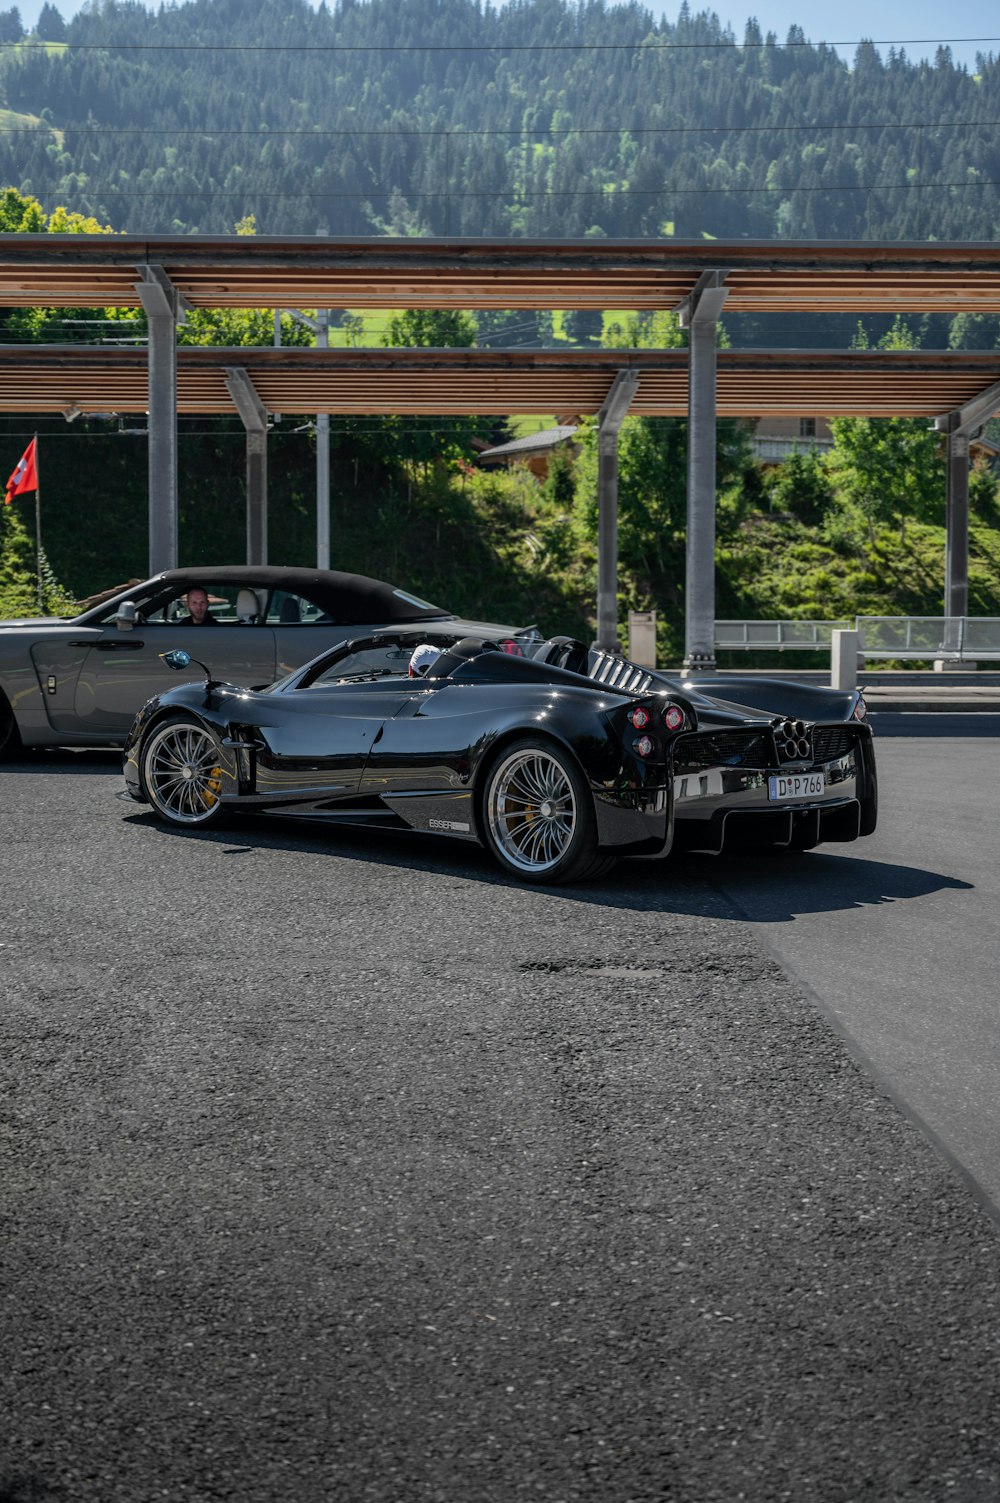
{"x": 38, "y": 526}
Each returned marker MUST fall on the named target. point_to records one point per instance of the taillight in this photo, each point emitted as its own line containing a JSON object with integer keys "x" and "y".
{"x": 673, "y": 717}
{"x": 638, "y": 719}
{"x": 643, "y": 746}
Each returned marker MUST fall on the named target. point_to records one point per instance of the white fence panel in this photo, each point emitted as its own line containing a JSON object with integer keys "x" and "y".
{"x": 951, "y": 638}
{"x": 778, "y": 635}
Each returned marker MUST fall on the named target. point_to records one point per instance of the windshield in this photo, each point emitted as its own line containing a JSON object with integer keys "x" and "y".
{"x": 367, "y": 662}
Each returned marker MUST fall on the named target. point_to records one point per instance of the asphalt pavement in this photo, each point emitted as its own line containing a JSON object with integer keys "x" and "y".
{"x": 337, "y": 1167}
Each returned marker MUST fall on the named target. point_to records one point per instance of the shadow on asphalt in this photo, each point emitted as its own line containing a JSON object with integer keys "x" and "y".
{"x": 776, "y": 889}
{"x": 783, "y": 885}
{"x": 66, "y": 760}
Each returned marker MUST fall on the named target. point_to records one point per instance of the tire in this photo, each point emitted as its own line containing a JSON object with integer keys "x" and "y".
{"x": 869, "y": 804}
{"x": 538, "y": 817}
{"x": 10, "y": 740}
{"x": 181, "y": 771}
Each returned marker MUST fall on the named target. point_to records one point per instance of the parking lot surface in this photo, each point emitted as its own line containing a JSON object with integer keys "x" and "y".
{"x": 336, "y": 1167}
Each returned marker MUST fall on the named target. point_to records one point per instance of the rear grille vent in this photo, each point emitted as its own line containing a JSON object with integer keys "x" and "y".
{"x": 724, "y": 749}
{"x": 618, "y": 673}
{"x": 832, "y": 741}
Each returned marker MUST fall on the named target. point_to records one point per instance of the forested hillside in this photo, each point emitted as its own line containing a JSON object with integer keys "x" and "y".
{"x": 540, "y": 118}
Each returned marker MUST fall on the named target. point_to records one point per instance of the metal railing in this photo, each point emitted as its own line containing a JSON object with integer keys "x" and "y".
{"x": 964, "y": 638}
{"x": 778, "y": 636}
{"x": 949, "y": 638}
{"x": 780, "y": 448}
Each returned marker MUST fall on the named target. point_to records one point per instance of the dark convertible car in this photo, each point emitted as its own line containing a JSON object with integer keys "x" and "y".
{"x": 557, "y": 758}
{"x": 80, "y": 682}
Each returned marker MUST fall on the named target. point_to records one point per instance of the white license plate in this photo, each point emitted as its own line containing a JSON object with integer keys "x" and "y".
{"x": 796, "y": 785}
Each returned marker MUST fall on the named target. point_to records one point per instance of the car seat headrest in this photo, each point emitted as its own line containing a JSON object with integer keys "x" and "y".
{"x": 462, "y": 652}
{"x": 247, "y": 606}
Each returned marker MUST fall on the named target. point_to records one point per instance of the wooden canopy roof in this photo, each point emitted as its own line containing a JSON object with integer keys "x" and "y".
{"x": 95, "y": 379}
{"x": 267, "y": 271}
{"x": 249, "y": 271}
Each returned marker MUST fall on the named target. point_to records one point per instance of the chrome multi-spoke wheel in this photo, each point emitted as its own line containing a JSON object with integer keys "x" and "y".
{"x": 538, "y": 814}
{"x": 182, "y": 773}
{"x": 532, "y": 810}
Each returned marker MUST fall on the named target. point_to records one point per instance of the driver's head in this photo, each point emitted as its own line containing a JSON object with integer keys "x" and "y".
{"x": 423, "y": 659}
{"x": 197, "y": 603}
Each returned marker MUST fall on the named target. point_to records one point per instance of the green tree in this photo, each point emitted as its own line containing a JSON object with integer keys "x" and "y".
{"x": 984, "y": 492}
{"x": 802, "y": 486}
{"x": 64, "y": 221}
{"x": 430, "y": 329}
{"x": 50, "y": 26}
{"x": 240, "y": 326}
{"x": 18, "y": 580}
{"x": 20, "y": 214}
{"x": 652, "y": 488}
{"x": 646, "y": 331}
{"x": 11, "y": 29}
{"x": 891, "y": 469}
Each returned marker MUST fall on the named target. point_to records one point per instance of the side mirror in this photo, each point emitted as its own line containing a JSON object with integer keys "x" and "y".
{"x": 127, "y": 615}
{"x": 177, "y": 659}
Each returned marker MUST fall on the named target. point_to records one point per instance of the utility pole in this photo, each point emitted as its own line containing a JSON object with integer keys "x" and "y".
{"x": 320, "y": 325}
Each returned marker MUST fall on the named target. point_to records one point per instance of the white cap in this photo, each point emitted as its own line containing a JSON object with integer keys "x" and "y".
{"x": 423, "y": 658}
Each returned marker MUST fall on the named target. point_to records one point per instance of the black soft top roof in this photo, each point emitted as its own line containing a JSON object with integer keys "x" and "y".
{"x": 343, "y": 597}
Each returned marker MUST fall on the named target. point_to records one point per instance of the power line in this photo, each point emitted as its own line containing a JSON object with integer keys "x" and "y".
{"x": 429, "y": 47}
{"x": 351, "y": 133}
{"x": 251, "y": 195}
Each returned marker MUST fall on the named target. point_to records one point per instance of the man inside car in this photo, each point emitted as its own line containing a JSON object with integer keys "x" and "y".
{"x": 196, "y": 601}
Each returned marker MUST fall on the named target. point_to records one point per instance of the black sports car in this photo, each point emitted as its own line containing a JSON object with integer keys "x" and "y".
{"x": 556, "y": 758}
{"x": 80, "y": 682}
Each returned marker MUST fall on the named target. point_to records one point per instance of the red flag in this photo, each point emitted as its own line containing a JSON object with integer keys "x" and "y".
{"x": 25, "y": 476}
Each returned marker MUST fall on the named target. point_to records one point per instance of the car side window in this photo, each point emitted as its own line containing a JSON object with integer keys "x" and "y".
{"x": 223, "y": 602}
{"x": 286, "y": 608}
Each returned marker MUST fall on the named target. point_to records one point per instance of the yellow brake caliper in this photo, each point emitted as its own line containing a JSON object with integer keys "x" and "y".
{"x": 212, "y": 791}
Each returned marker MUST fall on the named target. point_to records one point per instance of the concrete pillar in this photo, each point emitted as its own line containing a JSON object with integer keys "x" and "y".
{"x": 956, "y": 551}
{"x": 320, "y": 326}
{"x": 256, "y": 496}
{"x": 844, "y": 651}
{"x": 642, "y": 638}
{"x": 700, "y": 313}
{"x": 162, "y": 308}
{"x": 254, "y": 415}
{"x": 958, "y": 426}
{"x": 323, "y": 458}
{"x": 609, "y": 420}
{"x": 607, "y": 541}
{"x": 699, "y": 610}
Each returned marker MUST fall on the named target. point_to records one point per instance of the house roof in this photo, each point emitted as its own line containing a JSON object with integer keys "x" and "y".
{"x": 542, "y": 442}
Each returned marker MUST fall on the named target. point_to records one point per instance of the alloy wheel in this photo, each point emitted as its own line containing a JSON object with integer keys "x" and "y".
{"x": 182, "y": 773}
{"x": 532, "y": 810}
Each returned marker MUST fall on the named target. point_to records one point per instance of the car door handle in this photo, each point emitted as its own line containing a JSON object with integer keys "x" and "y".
{"x": 111, "y": 646}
